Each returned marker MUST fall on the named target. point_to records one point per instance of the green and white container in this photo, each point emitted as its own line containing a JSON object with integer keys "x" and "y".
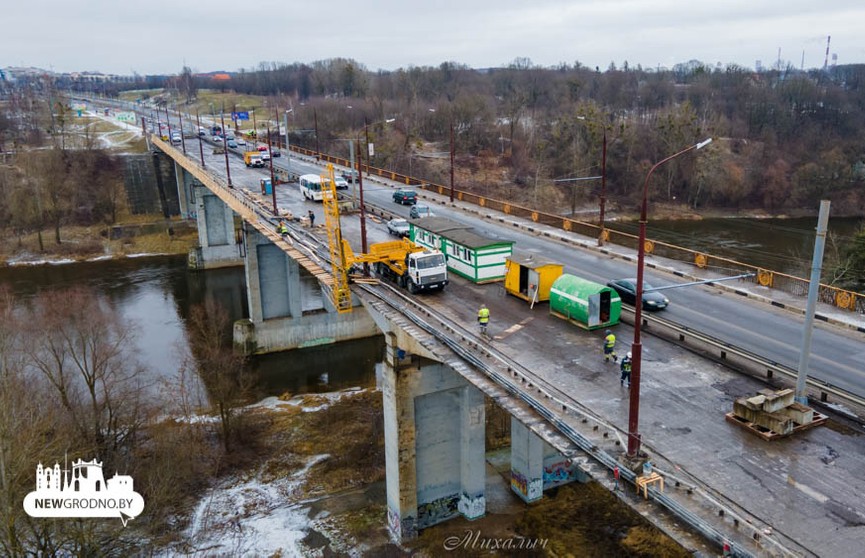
{"x": 585, "y": 303}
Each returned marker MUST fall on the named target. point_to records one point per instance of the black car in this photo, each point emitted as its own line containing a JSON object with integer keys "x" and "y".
{"x": 627, "y": 289}
{"x": 405, "y": 196}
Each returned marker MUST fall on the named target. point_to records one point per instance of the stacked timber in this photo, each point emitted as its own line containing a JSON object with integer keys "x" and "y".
{"x": 773, "y": 414}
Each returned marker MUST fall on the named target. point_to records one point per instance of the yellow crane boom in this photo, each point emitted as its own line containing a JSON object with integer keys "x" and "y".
{"x": 341, "y": 290}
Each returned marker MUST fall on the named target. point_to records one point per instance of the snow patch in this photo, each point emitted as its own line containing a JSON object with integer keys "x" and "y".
{"x": 252, "y": 518}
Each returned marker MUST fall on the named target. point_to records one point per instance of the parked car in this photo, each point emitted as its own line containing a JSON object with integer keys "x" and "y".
{"x": 217, "y": 138}
{"x": 202, "y": 132}
{"x": 349, "y": 176}
{"x": 420, "y": 211}
{"x": 262, "y": 148}
{"x": 405, "y": 196}
{"x": 240, "y": 141}
{"x": 398, "y": 227}
{"x": 232, "y": 143}
{"x": 339, "y": 181}
{"x": 627, "y": 289}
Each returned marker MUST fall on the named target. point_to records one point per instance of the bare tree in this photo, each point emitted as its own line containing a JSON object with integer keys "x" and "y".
{"x": 220, "y": 367}
{"x": 84, "y": 350}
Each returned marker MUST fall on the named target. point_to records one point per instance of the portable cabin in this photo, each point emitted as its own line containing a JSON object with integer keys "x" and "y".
{"x": 530, "y": 276}
{"x": 477, "y": 257}
{"x": 584, "y": 303}
{"x": 266, "y": 186}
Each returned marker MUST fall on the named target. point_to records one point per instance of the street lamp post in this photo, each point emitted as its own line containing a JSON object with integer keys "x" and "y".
{"x": 272, "y": 177}
{"x": 200, "y": 144}
{"x": 225, "y": 146}
{"x": 637, "y": 347}
{"x": 370, "y": 148}
{"x": 288, "y": 141}
{"x": 602, "y": 236}
{"x": 360, "y": 190}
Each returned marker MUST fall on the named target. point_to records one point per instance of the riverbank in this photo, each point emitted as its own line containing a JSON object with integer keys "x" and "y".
{"x": 134, "y": 236}
{"x": 311, "y": 483}
{"x": 661, "y": 211}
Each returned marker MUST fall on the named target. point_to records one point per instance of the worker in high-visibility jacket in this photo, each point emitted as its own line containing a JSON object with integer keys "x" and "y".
{"x": 483, "y": 317}
{"x": 625, "y": 367}
{"x": 610, "y": 347}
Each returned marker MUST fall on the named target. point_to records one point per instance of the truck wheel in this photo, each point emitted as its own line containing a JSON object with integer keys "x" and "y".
{"x": 412, "y": 288}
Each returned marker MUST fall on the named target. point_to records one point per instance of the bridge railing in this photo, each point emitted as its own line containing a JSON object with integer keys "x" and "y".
{"x": 829, "y": 294}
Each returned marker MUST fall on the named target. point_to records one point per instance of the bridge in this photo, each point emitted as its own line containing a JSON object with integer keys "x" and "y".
{"x": 792, "y": 497}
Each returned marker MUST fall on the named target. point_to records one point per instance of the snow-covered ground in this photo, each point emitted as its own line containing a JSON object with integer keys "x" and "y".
{"x": 253, "y": 514}
{"x": 250, "y": 517}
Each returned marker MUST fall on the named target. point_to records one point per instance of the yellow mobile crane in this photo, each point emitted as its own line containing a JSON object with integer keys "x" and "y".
{"x": 330, "y": 203}
{"x": 409, "y": 265}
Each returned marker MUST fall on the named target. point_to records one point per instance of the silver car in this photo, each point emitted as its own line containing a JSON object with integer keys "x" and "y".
{"x": 398, "y": 227}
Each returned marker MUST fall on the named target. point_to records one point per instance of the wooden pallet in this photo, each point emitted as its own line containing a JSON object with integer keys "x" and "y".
{"x": 770, "y": 435}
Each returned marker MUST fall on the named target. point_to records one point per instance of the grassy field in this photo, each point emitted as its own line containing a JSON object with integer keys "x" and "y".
{"x": 211, "y": 102}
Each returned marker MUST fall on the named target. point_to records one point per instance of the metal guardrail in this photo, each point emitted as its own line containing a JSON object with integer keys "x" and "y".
{"x": 529, "y": 388}
{"x": 841, "y": 298}
{"x": 738, "y": 357}
{"x": 554, "y": 406}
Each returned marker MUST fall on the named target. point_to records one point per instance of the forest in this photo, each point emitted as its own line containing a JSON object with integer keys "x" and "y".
{"x": 783, "y": 139}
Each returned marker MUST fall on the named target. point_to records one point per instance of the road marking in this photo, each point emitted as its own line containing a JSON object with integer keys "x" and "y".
{"x": 822, "y": 498}
{"x": 513, "y": 329}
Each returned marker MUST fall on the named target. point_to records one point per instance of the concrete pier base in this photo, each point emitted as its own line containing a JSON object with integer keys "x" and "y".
{"x": 434, "y": 443}
{"x": 536, "y": 466}
{"x": 218, "y": 240}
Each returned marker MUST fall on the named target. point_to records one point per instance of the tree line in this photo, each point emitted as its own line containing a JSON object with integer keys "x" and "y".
{"x": 784, "y": 139}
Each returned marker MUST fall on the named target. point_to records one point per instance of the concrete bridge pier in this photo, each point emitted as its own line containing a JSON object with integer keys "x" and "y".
{"x": 218, "y": 240}
{"x": 536, "y": 466}
{"x": 287, "y": 307}
{"x": 434, "y": 423}
{"x": 185, "y": 191}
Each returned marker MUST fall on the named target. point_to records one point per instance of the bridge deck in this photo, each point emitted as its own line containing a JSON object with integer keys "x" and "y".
{"x": 806, "y": 489}
{"x": 803, "y": 492}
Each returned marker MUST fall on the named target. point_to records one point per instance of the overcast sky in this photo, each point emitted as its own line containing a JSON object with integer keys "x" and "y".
{"x": 161, "y": 36}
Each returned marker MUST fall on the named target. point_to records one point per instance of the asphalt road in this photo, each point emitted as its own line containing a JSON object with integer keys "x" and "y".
{"x": 836, "y": 354}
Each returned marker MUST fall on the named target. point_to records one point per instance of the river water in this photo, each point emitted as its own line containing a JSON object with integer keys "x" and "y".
{"x": 155, "y": 295}
{"x": 785, "y": 245}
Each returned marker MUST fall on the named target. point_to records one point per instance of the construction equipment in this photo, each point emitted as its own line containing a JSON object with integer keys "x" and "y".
{"x": 409, "y": 265}
{"x": 404, "y": 262}
{"x": 341, "y": 290}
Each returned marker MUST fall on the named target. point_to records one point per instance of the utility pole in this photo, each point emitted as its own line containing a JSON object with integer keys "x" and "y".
{"x": 182, "y": 139}
{"x": 225, "y": 146}
{"x": 200, "y": 144}
{"x": 813, "y": 290}
{"x": 452, "y": 161}
{"x": 364, "y": 248}
{"x": 272, "y": 178}
{"x": 602, "y": 236}
{"x": 315, "y": 120}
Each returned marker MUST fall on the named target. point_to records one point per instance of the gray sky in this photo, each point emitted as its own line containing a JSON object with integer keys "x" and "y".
{"x": 160, "y": 36}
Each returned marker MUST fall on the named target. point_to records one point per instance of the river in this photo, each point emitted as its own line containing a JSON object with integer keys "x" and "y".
{"x": 785, "y": 245}
{"x": 155, "y": 295}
